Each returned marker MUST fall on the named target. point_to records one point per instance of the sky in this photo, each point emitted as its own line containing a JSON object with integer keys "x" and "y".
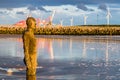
{"x": 12, "y": 11}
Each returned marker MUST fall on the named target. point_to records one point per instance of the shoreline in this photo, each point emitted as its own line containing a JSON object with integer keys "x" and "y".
{"x": 75, "y": 37}
{"x": 10, "y": 35}
{"x": 60, "y": 36}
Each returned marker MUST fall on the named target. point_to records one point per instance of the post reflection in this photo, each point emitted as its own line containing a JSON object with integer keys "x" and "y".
{"x": 107, "y": 52}
{"x": 28, "y": 77}
{"x": 84, "y": 49}
{"x": 51, "y": 51}
{"x": 70, "y": 47}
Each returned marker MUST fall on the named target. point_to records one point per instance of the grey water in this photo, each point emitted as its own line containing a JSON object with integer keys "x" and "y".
{"x": 63, "y": 58}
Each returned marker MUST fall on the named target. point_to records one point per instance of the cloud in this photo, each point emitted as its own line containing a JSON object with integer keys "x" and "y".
{"x": 20, "y": 12}
{"x": 11, "y": 3}
{"x": 74, "y": 2}
{"x": 10, "y": 9}
{"x": 102, "y": 7}
{"x": 31, "y": 8}
{"x": 23, "y": 3}
{"x": 4, "y": 12}
{"x": 83, "y": 7}
{"x": 66, "y": 9}
{"x": 1, "y": 12}
{"x": 42, "y": 9}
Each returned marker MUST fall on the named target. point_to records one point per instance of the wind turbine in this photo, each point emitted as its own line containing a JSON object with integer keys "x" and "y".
{"x": 85, "y": 19}
{"x": 61, "y": 22}
{"x": 108, "y": 16}
{"x": 71, "y": 20}
{"x": 97, "y": 18}
{"x": 29, "y": 14}
{"x": 52, "y": 16}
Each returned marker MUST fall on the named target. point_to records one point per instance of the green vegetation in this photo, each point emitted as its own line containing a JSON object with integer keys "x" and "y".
{"x": 67, "y": 30}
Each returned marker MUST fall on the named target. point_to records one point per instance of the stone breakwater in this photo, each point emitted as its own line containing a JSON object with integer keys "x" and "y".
{"x": 67, "y": 30}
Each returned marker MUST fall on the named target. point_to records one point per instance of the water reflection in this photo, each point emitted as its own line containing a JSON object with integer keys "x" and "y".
{"x": 11, "y": 47}
{"x": 84, "y": 49}
{"x": 65, "y": 48}
{"x": 82, "y": 57}
{"x": 106, "y": 54}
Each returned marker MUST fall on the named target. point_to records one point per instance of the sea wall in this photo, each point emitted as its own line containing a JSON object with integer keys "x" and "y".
{"x": 67, "y": 30}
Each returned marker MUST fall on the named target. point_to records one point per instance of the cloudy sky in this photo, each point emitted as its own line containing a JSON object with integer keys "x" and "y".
{"x": 12, "y": 11}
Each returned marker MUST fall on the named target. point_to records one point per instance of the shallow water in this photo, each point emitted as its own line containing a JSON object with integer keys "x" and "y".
{"x": 63, "y": 58}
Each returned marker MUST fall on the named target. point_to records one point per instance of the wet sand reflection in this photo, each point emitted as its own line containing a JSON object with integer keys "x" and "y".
{"x": 28, "y": 77}
{"x": 67, "y": 58}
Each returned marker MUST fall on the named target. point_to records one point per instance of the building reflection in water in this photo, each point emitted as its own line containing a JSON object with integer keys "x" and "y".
{"x": 47, "y": 45}
{"x": 51, "y": 50}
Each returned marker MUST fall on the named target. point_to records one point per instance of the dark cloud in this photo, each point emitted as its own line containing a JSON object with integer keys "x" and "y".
{"x": 21, "y": 3}
{"x": 74, "y": 2}
{"x": 32, "y": 8}
{"x": 68, "y": 2}
{"x": 41, "y": 8}
{"x": 11, "y": 3}
{"x": 91, "y": 10}
{"x": 10, "y": 9}
{"x": 66, "y": 9}
{"x": 37, "y": 4}
{"x": 83, "y": 7}
{"x": 21, "y": 13}
{"x": 102, "y": 7}
{"x": 1, "y": 12}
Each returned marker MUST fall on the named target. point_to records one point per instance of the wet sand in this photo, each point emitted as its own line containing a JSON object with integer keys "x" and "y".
{"x": 61, "y": 69}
